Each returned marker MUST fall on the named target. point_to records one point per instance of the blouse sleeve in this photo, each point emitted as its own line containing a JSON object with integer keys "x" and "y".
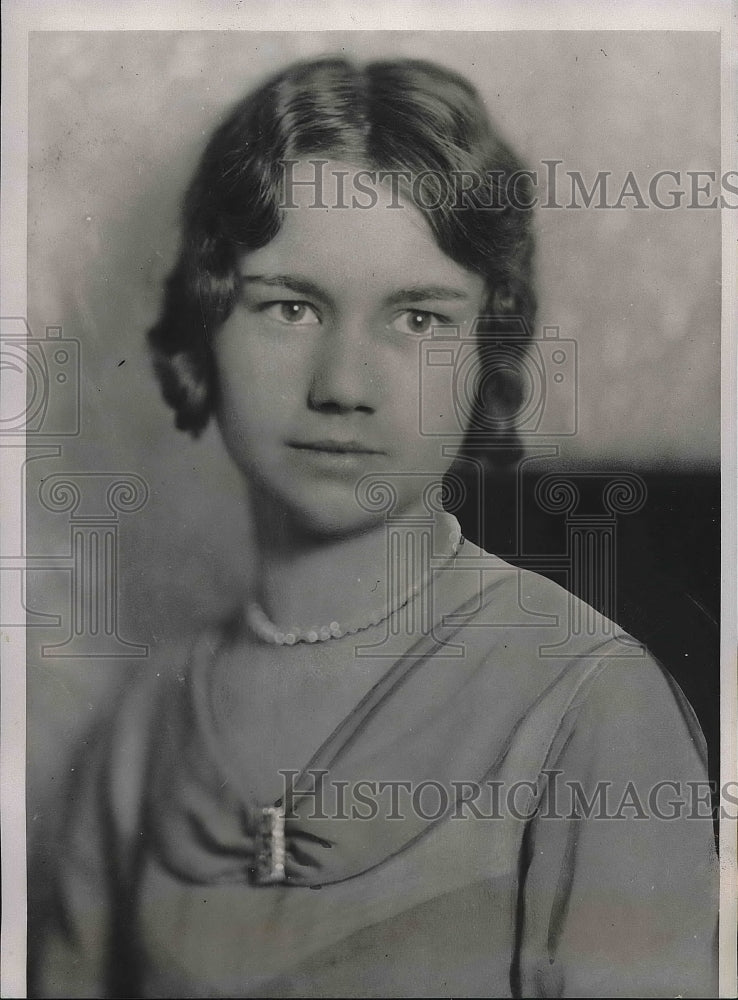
{"x": 620, "y": 873}
{"x": 83, "y": 946}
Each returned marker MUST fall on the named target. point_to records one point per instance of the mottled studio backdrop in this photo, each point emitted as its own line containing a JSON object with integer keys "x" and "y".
{"x": 117, "y": 121}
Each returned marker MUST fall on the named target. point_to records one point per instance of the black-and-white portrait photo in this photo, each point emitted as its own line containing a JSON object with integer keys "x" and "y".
{"x": 369, "y": 522}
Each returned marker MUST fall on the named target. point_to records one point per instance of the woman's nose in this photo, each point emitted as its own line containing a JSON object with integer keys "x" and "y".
{"x": 343, "y": 373}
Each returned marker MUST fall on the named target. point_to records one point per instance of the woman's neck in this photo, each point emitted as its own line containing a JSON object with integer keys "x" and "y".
{"x": 306, "y": 579}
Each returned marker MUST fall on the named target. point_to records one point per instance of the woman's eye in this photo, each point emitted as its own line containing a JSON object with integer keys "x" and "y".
{"x": 416, "y": 321}
{"x": 293, "y": 313}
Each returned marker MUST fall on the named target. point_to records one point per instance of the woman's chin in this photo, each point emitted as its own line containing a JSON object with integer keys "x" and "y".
{"x": 333, "y": 520}
{"x": 333, "y": 511}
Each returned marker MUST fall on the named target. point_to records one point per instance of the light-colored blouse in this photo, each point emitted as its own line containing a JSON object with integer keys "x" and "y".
{"x": 517, "y": 808}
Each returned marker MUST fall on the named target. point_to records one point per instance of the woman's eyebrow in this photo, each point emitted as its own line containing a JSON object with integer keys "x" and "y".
{"x": 302, "y": 286}
{"x": 424, "y": 293}
{"x": 410, "y": 295}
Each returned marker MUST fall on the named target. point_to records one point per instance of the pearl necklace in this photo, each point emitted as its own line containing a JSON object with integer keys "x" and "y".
{"x": 261, "y": 625}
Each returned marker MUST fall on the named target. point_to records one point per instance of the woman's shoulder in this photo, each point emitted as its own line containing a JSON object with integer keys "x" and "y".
{"x": 579, "y": 684}
{"x": 534, "y": 607}
{"x": 148, "y": 717}
{"x": 618, "y": 672}
{"x": 148, "y": 704}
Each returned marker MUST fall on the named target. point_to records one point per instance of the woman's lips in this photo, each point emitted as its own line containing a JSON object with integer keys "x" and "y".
{"x": 339, "y": 458}
{"x": 331, "y": 446}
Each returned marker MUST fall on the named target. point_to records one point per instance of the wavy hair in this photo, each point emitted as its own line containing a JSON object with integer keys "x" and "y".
{"x": 398, "y": 115}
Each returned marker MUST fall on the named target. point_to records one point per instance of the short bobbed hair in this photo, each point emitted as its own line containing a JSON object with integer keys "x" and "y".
{"x": 399, "y": 115}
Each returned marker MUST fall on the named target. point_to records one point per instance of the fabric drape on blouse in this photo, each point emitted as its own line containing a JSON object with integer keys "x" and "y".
{"x": 558, "y": 879}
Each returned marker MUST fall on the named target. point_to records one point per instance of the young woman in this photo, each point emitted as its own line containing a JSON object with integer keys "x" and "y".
{"x": 396, "y": 771}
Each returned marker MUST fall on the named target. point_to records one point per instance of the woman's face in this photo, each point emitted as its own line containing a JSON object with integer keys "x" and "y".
{"x": 320, "y": 364}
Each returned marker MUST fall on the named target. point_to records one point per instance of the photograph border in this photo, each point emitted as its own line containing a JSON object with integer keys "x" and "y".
{"x": 21, "y": 18}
